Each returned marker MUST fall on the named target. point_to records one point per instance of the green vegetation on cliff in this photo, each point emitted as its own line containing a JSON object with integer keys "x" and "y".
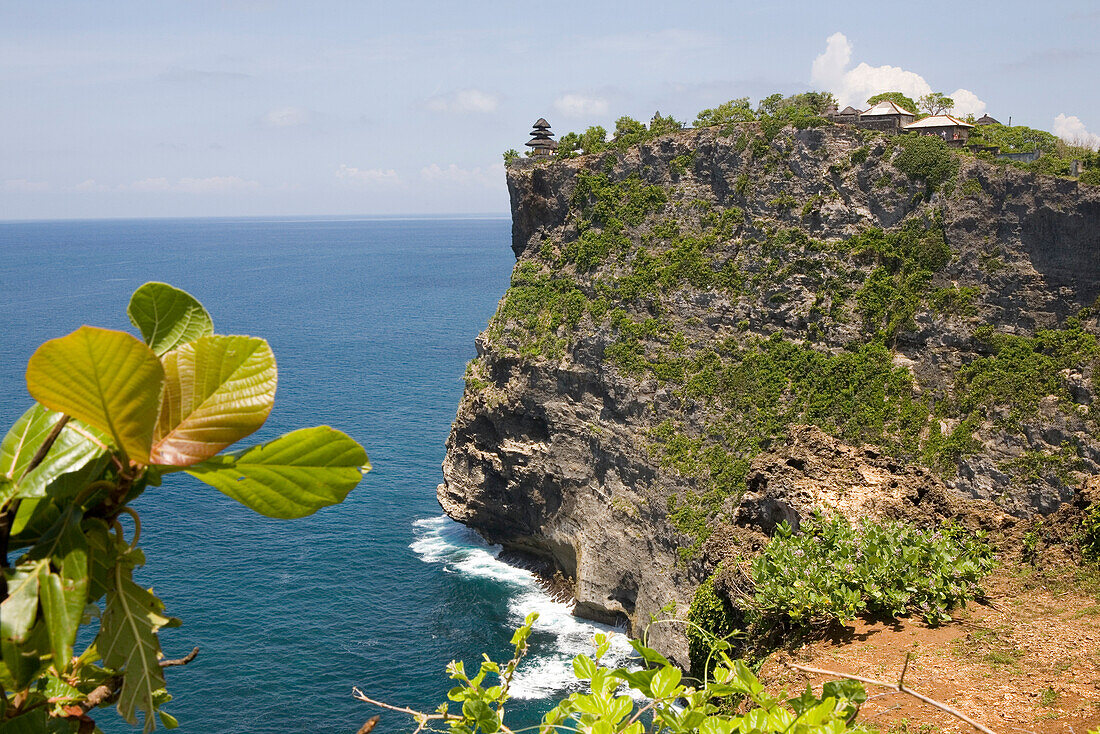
{"x": 819, "y": 319}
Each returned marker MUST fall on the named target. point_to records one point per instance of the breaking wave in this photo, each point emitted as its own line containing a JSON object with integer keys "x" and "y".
{"x": 548, "y": 669}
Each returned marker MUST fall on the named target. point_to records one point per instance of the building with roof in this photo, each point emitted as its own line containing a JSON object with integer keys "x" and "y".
{"x": 987, "y": 120}
{"x": 948, "y": 127}
{"x": 542, "y": 141}
{"x": 885, "y": 116}
{"x": 849, "y": 115}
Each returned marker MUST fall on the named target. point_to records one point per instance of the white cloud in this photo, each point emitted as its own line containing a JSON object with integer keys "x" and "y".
{"x": 91, "y": 185}
{"x": 854, "y": 86}
{"x": 216, "y": 185}
{"x": 367, "y": 175}
{"x": 1070, "y": 129}
{"x": 286, "y": 117}
{"x": 967, "y": 103}
{"x": 22, "y": 184}
{"x": 464, "y": 101}
{"x": 148, "y": 184}
{"x": 578, "y": 105}
{"x": 209, "y": 185}
{"x": 489, "y": 177}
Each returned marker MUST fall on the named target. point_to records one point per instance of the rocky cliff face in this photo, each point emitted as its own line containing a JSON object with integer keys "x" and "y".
{"x": 682, "y": 311}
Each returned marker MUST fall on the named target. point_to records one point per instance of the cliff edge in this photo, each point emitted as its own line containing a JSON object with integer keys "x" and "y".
{"x": 694, "y": 321}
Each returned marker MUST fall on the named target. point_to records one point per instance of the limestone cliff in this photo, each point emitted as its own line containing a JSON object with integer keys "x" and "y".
{"x": 682, "y": 309}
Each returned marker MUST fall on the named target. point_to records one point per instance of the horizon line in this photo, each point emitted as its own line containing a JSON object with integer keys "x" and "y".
{"x": 272, "y": 217}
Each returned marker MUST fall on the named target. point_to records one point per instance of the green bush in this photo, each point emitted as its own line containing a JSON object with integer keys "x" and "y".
{"x": 1091, "y": 177}
{"x": 1015, "y": 139}
{"x": 711, "y": 618}
{"x": 833, "y": 571}
{"x": 953, "y": 300}
{"x": 1019, "y": 371}
{"x": 1090, "y": 534}
{"x": 926, "y": 158}
{"x": 628, "y": 132}
{"x": 511, "y": 155}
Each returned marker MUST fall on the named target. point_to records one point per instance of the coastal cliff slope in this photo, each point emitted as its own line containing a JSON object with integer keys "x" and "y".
{"x": 686, "y": 313}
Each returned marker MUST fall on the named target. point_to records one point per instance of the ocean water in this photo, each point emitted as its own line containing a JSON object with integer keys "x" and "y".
{"x": 372, "y": 323}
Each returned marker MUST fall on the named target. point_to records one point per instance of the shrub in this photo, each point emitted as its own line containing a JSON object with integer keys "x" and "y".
{"x": 833, "y": 571}
{"x": 1090, "y": 177}
{"x": 511, "y": 155}
{"x": 1090, "y": 534}
{"x": 711, "y": 618}
{"x": 953, "y": 300}
{"x": 925, "y": 158}
{"x": 1019, "y": 371}
{"x": 1014, "y": 139}
{"x": 628, "y": 132}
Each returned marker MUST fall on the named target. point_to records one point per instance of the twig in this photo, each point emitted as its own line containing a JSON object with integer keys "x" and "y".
{"x": 46, "y": 446}
{"x": 900, "y": 688}
{"x": 420, "y": 717}
{"x": 356, "y": 693}
{"x": 886, "y": 711}
{"x": 180, "y": 661}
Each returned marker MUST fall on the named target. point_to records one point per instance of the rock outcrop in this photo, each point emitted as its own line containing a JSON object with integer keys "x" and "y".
{"x": 684, "y": 310}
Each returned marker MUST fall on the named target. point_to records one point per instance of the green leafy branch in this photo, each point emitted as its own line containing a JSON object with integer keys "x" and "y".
{"x": 654, "y": 698}
{"x": 113, "y": 415}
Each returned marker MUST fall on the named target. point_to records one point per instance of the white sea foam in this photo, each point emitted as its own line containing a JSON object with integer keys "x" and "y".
{"x": 548, "y": 670}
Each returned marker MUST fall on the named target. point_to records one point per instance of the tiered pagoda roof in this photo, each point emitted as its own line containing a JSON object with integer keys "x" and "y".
{"x": 542, "y": 140}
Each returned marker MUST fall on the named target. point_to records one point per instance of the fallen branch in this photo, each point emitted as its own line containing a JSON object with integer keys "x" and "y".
{"x": 900, "y": 687}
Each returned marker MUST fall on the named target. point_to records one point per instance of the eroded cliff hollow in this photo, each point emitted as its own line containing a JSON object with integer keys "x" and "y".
{"x": 682, "y": 310}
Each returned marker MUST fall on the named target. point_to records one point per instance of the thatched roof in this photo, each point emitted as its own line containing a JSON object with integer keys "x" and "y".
{"x": 987, "y": 120}
{"x": 849, "y": 110}
{"x": 542, "y": 123}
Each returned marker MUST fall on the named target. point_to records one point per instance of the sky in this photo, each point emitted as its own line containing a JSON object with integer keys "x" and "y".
{"x": 133, "y": 108}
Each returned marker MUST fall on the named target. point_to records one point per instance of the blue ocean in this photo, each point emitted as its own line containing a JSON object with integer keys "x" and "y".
{"x": 372, "y": 322}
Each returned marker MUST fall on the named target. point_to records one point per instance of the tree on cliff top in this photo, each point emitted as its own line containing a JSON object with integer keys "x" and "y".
{"x": 936, "y": 103}
{"x": 736, "y": 110}
{"x": 897, "y": 98}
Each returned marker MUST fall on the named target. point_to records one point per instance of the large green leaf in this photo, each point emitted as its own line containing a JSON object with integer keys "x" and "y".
{"x": 74, "y": 447}
{"x": 293, "y": 476}
{"x": 108, "y": 379}
{"x": 168, "y": 317}
{"x": 19, "y": 609}
{"x": 18, "y": 614}
{"x": 128, "y": 642}
{"x": 217, "y": 390}
{"x": 64, "y": 595}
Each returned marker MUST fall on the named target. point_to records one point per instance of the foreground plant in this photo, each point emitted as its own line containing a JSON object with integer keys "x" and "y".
{"x": 653, "y": 699}
{"x": 113, "y": 414}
